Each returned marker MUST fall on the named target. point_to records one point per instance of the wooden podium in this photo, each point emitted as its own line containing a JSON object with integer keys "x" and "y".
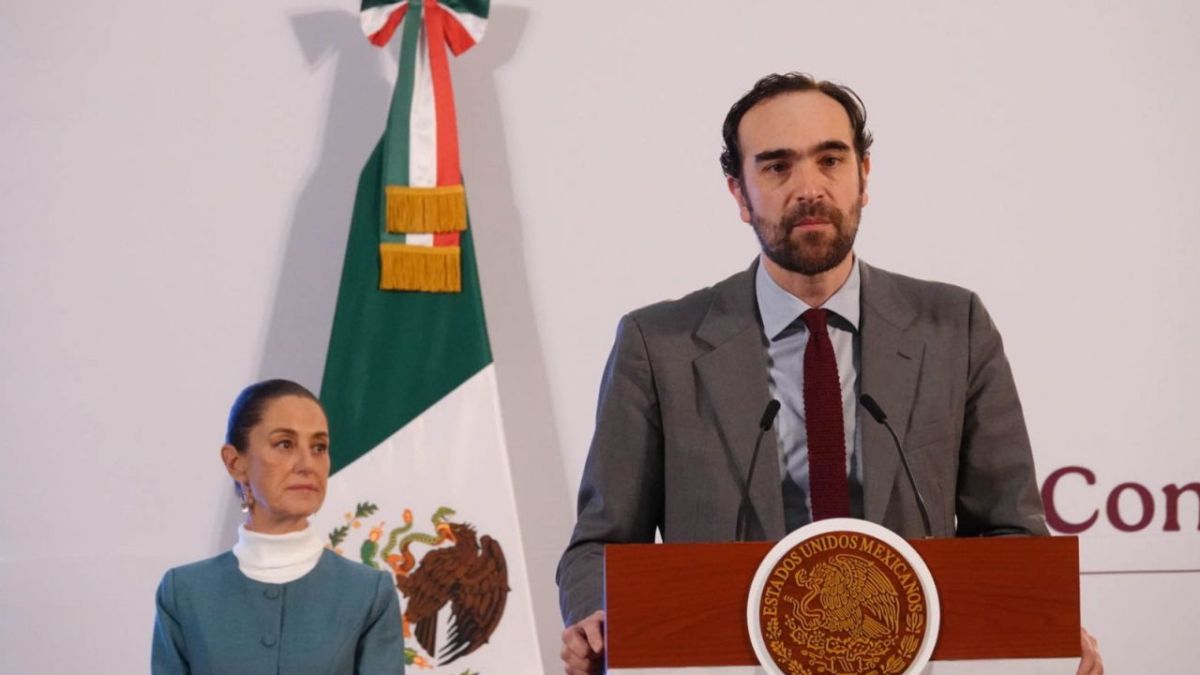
{"x": 684, "y": 605}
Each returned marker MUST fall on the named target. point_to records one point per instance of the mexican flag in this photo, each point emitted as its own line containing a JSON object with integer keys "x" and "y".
{"x": 421, "y": 485}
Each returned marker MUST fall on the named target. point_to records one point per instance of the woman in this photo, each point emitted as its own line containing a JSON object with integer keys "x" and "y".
{"x": 279, "y": 602}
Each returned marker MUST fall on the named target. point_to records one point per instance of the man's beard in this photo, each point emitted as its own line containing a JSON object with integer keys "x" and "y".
{"x": 817, "y": 250}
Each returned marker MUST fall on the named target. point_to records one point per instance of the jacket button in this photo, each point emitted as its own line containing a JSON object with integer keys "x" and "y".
{"x": 271, "y": 593}
{"x": 268, "y": 641}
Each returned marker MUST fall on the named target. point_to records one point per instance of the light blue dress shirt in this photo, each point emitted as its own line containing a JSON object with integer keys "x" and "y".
{"x": 787, "y": 336}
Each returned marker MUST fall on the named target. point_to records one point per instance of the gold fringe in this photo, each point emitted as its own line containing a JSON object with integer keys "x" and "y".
{"x": 419, "y": 210}
{"x": 433, "y": 269}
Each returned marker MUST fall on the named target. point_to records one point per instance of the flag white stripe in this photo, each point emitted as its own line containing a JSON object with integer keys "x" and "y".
{"x": 422, "y": 154}
{"x": 474, "y": 25}
{"x": 452, "y": 455}
{"x": 375, "y": 18}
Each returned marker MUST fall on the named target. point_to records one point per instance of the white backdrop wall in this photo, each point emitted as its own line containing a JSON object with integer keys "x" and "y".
{"x": 176, "y": 180}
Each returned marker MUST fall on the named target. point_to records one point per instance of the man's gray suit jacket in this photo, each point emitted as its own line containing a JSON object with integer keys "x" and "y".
{"x": 685, "y": 387}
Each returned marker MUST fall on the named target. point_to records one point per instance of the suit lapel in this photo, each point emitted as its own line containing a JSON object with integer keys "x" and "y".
{"x": 890, "y": 367}
{"x": 733, "y": 376}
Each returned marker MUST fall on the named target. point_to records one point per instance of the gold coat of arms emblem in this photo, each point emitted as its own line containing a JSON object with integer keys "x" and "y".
{"x": 843, "y": 597}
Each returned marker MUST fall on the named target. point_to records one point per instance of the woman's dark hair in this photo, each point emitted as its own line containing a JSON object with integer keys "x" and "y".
{"x": 775, "y": 84}
{"x": 248, "y": 408}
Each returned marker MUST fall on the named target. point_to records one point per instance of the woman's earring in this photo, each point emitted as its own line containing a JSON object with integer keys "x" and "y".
{"x": 247, "y": 500}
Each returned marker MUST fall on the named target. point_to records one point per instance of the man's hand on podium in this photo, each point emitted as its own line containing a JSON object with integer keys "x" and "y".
{"x": 583, "y": 646}
{"x": 1090, "y": 664}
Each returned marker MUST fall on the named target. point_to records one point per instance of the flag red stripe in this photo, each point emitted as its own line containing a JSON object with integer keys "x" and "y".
{"x": 448, "y": 171}
{"x": 381, "y": 37}
{"x": 457, "y": 36}
{"x": 446, "y": 239}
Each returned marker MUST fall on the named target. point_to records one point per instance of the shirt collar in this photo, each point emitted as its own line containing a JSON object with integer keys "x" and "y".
{"x": 780, "y": 309}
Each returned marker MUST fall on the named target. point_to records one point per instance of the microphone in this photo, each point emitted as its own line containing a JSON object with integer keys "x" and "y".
{"x": 881, "y": 417}
{"x": 744, "y": 509}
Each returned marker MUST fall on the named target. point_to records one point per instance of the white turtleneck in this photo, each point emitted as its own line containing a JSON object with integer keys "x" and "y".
{"x": 277, "y": 558}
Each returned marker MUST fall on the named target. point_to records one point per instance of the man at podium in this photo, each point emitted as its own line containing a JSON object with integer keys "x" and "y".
{"x": 686, "y": 443}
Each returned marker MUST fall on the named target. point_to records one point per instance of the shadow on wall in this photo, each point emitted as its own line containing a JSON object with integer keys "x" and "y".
{"x": 302, "y": 316}
{"x": 298, "y": 331}
{"x": 539, "y": 477}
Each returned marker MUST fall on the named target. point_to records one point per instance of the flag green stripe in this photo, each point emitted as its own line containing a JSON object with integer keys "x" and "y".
{"x": 392, "y": 354}
{"x": 477, "y": 7}
{"x": 396, "y": 140}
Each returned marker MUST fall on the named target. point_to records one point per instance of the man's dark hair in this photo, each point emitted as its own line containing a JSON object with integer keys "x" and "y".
{"x": 248, "y": 409}
{"x": 775, "y": 84}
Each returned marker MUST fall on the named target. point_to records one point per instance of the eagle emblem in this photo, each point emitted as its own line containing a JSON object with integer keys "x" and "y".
{"x": 460, "y": 570}
{"x": 839, "y": 601}
{"x": 852, "y": 597}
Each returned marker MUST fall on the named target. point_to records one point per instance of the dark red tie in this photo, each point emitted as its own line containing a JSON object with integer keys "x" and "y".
{"x": 828, "y": 487}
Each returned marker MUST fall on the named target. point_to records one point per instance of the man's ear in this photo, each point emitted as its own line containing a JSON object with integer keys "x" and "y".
{"x": 235, "y": 463}
{"x": 735, "y": 189}
{"x": 864, "y": 171}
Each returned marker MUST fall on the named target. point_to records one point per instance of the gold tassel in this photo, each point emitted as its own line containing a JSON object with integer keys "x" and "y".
{"x": 433, "y": 269}
{"x": 419, "y": 210}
